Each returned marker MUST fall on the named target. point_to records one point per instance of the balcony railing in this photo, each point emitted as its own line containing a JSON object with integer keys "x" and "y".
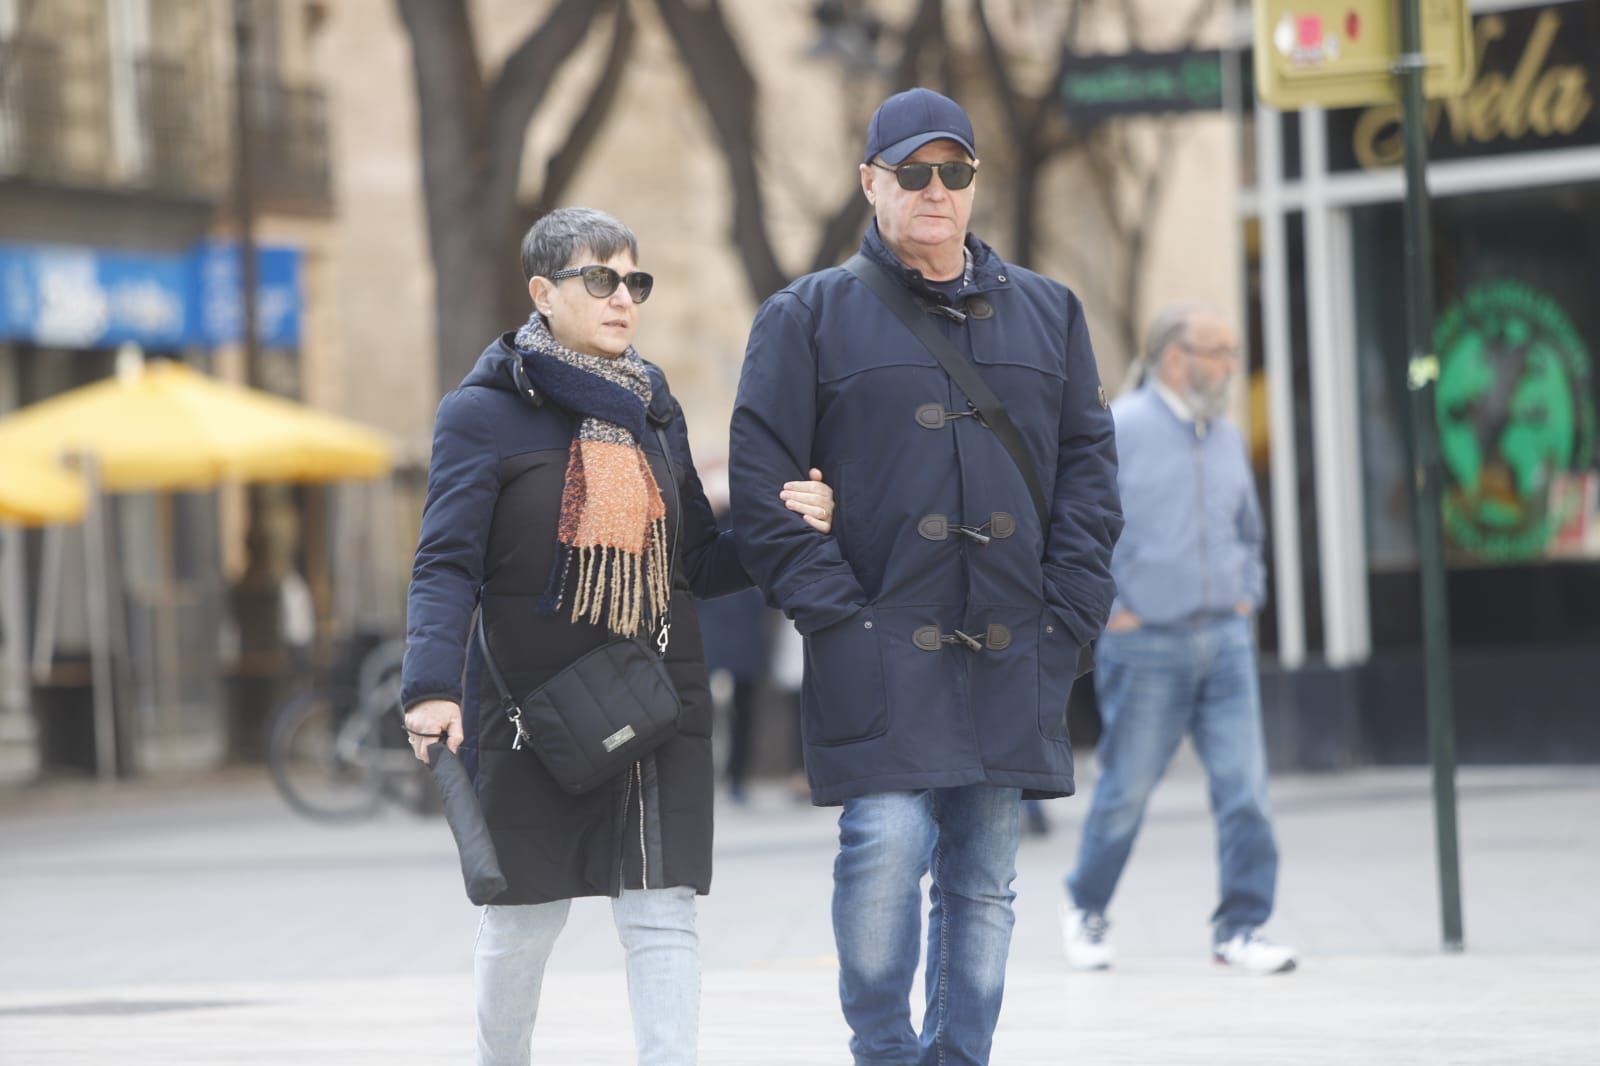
{"x": 178, "y": 148}
{"x": 170, "y": 134}
{"x": 290, "y": 158}
{"x": 31, "y": 113}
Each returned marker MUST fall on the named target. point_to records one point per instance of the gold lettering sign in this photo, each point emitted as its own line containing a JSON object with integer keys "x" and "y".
{"x": 1538, "y": 99}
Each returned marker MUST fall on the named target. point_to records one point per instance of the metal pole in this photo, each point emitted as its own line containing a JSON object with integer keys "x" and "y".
{"x": 99, "y": 608}
{"x": 50, "y": 578}
{"x": 243, "y": 188}
{"x": 13, "y": 632}
{"x": 1279, "y": 365}
{"x": 255, "y": 597}
{"x": 1331, "y": 439}
{"x": 1421, "y": 378}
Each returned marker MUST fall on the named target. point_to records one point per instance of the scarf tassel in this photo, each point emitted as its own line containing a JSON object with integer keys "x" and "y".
{"x": 621, "y": 589}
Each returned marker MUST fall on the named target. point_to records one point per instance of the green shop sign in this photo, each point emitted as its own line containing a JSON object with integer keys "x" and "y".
{"x": 1098, "y": 87}
{"x": 1516, "y": 412}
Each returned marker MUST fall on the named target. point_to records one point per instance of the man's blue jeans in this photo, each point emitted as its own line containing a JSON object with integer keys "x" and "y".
{"x": 1154, "y": 685}
{"x": 967, "y": 839}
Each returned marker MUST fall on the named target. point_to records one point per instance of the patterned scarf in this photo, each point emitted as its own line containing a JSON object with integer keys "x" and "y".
{"x": 613, "y": 529}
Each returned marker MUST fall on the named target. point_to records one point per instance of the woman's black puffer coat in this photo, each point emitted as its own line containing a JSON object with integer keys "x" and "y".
{"x": 494, "y": 499}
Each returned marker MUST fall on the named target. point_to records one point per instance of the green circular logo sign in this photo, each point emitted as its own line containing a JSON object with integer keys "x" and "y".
{"x": 1516, "y": 417}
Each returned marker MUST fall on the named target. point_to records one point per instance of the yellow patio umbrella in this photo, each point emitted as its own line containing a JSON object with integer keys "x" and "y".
{"x": 35, "y": 492}
{"x": 166, "y": 427}
{"x": 163, "y": 427}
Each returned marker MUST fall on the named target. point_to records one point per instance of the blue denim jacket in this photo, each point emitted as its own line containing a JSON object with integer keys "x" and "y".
{"x": 1192, "y": 545}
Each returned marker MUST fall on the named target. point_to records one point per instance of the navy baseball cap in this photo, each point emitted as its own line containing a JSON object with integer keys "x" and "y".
{"x": 907, "y": 121}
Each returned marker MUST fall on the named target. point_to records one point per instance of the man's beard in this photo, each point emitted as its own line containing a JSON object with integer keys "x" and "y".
{"x": 1207, "y": 399}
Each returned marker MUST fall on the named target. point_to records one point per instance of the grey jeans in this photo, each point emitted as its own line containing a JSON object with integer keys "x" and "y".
{"x": 657, "y": 930}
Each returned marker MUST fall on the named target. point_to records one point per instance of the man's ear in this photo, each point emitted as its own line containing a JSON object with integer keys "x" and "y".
{"x": 866, "y": 183}
{"x": 1163, "y": 363}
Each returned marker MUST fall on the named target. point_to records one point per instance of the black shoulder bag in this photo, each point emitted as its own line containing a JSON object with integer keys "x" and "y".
{"x": 991, "y": 411}
{"x": 608, "y": 709}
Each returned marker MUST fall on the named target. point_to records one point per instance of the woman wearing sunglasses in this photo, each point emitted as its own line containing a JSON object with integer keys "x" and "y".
{"x": 552, "y": 503}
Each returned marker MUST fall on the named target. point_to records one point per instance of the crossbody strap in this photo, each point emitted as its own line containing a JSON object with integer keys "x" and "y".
{"x": 663, "y": 636}
{"x": 993, "y": 413}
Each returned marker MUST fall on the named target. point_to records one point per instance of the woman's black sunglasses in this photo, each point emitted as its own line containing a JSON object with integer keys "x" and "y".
{"x": 914, "y": 176}
{"x": 602, "y": 281}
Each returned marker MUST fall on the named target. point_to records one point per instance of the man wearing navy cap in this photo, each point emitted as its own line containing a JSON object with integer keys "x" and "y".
{"x": 969, "y": 567}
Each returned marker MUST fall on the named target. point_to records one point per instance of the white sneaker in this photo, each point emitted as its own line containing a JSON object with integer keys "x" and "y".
{"x": 1085, "y": 937}
{"x": 1251, "y": 953}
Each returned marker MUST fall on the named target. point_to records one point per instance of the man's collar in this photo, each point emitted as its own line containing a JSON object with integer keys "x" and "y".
{"x": 1178, "y": 405}
{"x": 984, "y": 269}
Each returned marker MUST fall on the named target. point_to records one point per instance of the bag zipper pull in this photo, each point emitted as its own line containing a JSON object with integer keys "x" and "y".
{"x": 522, "y": 733}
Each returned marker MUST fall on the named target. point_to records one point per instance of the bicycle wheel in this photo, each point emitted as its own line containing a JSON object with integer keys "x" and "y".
{"x": 320, "y": 757}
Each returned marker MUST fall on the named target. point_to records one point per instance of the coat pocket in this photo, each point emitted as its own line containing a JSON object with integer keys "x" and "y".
{"x": 844, "y": 697}
{"x": 1058, "y": 667}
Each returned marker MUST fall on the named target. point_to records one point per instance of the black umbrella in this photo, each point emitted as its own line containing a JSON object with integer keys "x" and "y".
{"x": 480, "y": 867}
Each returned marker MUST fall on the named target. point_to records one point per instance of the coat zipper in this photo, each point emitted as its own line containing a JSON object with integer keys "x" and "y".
{"x": 644, "y": 854}
{"x": 622, "y": 846}
{"x": 637, "y": 772}
{"x": 1200, "y": 524}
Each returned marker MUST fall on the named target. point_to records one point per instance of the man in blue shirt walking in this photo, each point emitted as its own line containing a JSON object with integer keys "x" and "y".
{"x": 1178, "y": 654}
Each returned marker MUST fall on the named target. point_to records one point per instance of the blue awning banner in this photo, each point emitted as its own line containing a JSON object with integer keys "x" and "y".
{"x": 75, "y": 297}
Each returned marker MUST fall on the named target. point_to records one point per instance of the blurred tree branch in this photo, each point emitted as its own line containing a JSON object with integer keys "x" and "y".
{"x": 473, "y": 131}
{"x": 1129, "y": 185}
{"x": 729, "y": 93}
{"x": 564, "y": 163}
{"x": 727, "y": 90}
{"x": 843, "y": 228}
{"x": 1035, "y": 127}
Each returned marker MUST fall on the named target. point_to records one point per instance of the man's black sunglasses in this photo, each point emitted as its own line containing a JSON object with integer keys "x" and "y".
{"x": 914, "y": 176}
{"x": 602, "y": 281}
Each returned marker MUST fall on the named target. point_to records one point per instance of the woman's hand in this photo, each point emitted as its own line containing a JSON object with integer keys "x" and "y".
{"x": 811, "y": 500}
{"x": 431, "y": 721}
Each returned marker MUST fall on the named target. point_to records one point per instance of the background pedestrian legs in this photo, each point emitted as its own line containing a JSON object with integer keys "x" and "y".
{"x": 1227, "y": 736}
{"x": 1145, "y": 686}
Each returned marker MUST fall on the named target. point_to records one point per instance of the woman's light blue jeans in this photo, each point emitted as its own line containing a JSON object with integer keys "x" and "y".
{"x": 657, "y": 930}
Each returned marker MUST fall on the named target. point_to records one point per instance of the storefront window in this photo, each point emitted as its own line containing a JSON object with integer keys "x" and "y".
{"x": 1516, "y": 330}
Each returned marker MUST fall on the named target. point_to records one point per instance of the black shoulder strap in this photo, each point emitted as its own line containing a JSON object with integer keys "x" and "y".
{"x": 905, "y": 307}
{"x": 666, "y": 614}
{"x": 506, "y": 698}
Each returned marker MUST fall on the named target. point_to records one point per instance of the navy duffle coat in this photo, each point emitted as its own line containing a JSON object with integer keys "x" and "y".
{"x": 943, "y": 624}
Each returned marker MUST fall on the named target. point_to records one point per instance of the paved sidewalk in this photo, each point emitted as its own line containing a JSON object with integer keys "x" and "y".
{"x": 205, "y": 924}
{"x": 1393, "y": 1012}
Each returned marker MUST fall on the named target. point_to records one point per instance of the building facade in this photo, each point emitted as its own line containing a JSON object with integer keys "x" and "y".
{"x": 117, "y": 227}
{"x": 1515, "y": 184}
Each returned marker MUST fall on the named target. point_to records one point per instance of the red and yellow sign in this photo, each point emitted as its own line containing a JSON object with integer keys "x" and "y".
{"x": 1342, "y": 53}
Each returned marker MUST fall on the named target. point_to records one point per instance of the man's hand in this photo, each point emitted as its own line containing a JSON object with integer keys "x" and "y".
{"x": 1244, "y": 608}
{"x": 431, "y": 721}
{"x": 1123, "y": 621}
{"x": 811, "y": 500}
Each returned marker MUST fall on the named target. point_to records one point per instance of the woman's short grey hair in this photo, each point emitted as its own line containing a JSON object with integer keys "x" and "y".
{"x": 564, "y": 232}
